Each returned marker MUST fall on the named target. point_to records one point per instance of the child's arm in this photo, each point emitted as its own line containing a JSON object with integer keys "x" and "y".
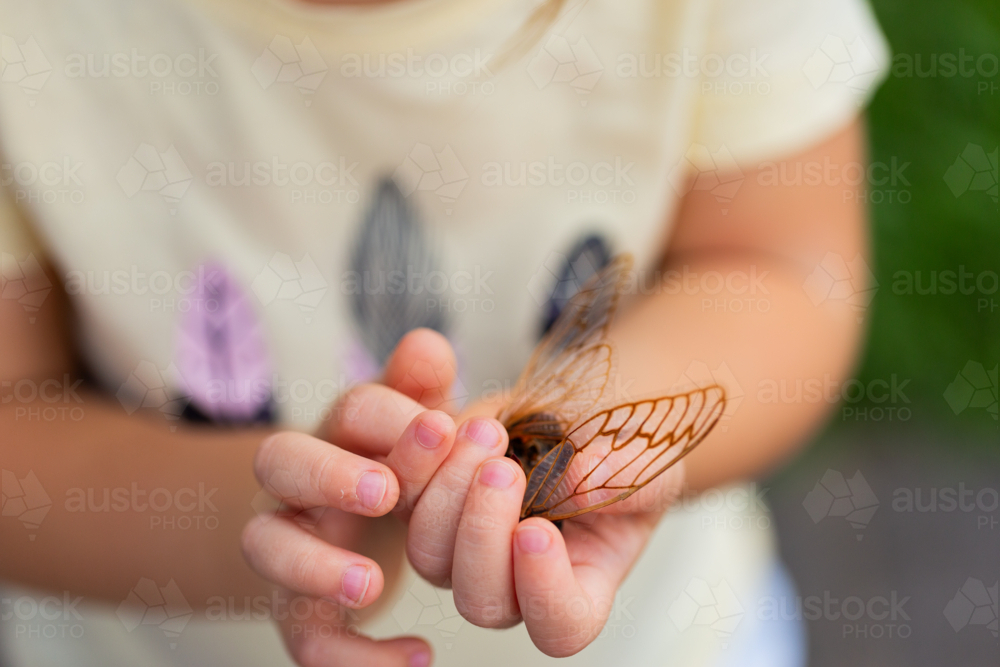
{"x": 102, "y": 551}
{"x": 780, "y": 233}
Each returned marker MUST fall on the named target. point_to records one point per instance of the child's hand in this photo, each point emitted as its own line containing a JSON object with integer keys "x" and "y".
{"x": 329, "y": 495}
{"x": 308, "y": 547}
{"x": 462, "y": 500}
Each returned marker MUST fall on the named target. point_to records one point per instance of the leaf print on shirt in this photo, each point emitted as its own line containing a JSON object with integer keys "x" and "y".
{"x": 222, "y": 353}
{"x": 589, "y": 256}
{"x": 390, "y": 268}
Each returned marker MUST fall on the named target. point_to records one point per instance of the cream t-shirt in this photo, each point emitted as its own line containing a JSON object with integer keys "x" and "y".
{"x": 227, "y": 187}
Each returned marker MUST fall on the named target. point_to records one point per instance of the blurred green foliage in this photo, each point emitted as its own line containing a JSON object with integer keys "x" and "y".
{"x": 930, "y": 119}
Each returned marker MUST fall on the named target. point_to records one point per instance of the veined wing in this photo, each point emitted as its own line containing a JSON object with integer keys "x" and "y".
{"x": 617, "y": 451}
{"x": 570, "y": 368}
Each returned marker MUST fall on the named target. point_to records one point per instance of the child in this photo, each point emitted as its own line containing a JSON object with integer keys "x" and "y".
{"x": 227, "y": 215}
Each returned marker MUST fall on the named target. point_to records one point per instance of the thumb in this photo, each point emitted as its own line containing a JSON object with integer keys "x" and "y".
{"x": 423, "y": 367}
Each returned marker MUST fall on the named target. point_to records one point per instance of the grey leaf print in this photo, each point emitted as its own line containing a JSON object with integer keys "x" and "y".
{"x": 589, "y": 256}
{"x": 392, "y": 261}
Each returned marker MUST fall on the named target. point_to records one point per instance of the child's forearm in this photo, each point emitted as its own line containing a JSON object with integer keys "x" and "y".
{"x": 130, "y": 498}
{"x": 777, "y": 336}
{"x": 738, "y": 303}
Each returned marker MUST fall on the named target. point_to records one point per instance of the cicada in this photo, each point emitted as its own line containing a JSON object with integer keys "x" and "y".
{"x": 580, "y": 450}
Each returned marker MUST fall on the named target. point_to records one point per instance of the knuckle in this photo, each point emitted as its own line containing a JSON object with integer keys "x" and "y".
{"x": 306, "y": 651}
{"x": 265, "y": 451}
{"x": 302, "y": 567}
{"x": 322, "y": 477}
{"x": 250, "y": 538}
{"x": 487, "y": 613}
{"x": 348, "y": 407}
{"x": 433, "y": 564}
{"x": 565, "y": 645}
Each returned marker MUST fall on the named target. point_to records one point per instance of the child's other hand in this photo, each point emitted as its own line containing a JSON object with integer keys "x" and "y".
{"x": 329, "y": 494}
{"x": 462, "y": 499}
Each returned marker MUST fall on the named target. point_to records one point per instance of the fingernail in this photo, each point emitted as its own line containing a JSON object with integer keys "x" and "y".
{"x": 428, "y": 437}
{"x": 420, "y": 659}
{"x": 496, "y": 474}
{"x": 533, "y": 540}
{"x": 355, "y": 583}
{"x": 371, "y": 489}
{"x": 484, "y": 432}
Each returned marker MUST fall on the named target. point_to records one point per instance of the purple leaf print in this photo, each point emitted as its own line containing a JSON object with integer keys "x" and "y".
{"x": 359, "y": 364}
{"x": 221, "y": 351}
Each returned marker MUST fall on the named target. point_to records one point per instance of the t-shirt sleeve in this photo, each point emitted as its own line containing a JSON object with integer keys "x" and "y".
{"x": 792, "y": 73}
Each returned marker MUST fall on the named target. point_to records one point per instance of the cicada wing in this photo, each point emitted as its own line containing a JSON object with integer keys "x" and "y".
{"x": 546, "y": 475}
{"x": 569, "y": 369}
{"x": 617, "y": 451}
{"x": 574, "y": 387}
{"x": 586, "y": 318}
